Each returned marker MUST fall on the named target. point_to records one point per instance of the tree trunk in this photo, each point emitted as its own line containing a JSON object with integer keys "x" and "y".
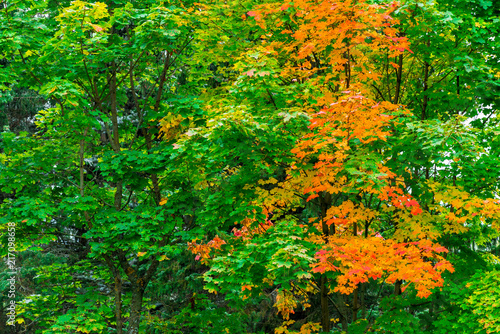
{"x": 426, "y": 87}
{"x": 362, "y": 298}
{"x": 355, "y": 305}
{"x": 325, "y": 312}
{"x": 399, "y": 76}
{"x": 135, "y": 310}
{"x": 118, "y": 305}
{"x": 325, "y": 201}
{"x": 397, "y": 287}
{"x": 343, "y": 310}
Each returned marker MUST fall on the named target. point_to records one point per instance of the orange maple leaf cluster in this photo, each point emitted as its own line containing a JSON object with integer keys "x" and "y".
{"x": 359, "y": 259}
{"x": 246, "y": 231}
{"x": 331, "y": 43}
{"x": 400, "y": 200}
{"x": 202, "y": 251}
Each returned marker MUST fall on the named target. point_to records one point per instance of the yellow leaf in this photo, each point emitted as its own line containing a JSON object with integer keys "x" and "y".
{"x": 141, "y": 254}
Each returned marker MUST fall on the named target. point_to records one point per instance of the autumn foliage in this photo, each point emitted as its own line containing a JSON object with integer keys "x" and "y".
{"x": 341, "y": 163}
{"x": 250, "y": 166}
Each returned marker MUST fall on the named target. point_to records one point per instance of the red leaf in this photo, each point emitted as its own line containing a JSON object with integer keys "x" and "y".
{"x": 255, "y": 14}
{"x": 312, "y": 197}
{"x": 416, "y": 211}
{"x": 250, "y": 73}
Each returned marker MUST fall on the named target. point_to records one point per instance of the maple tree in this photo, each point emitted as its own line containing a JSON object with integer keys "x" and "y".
{"x": 91, "y": 173}
{"x": 365, "y": 224}
{"x": 331, "y": 166}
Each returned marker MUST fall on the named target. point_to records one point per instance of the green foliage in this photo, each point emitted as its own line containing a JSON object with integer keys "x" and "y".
{"x": 473, "y": 305}
{"x": 202, "y": 316}
{"x": 134, "y": 131}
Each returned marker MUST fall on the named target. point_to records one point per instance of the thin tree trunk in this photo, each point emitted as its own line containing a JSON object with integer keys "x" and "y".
{"x": 80, "y": 231}
{"x": 118, "y": 294}
{"x": 363, "y": 304}
{"x": 118, "y": 305}
{"x": 115, "y": 143}
{"x": 426, "y": 87}
{"x": 355, "y": 305}
{"x": 325, "y": 201}
{"x": 399, "y": 75}
{"x": 325, "y": 312}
